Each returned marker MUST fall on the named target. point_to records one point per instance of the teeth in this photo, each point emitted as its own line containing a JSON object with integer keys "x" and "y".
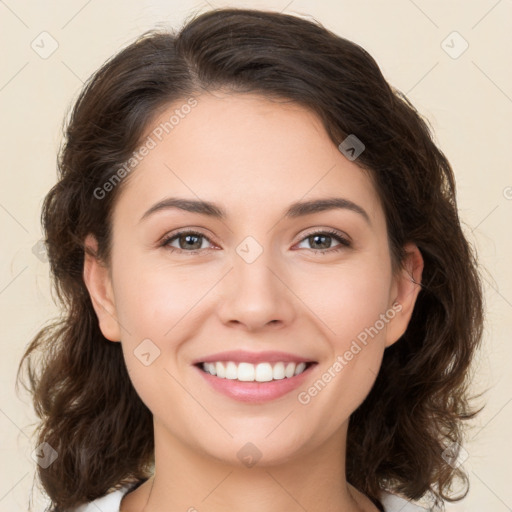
{"x": 278, "y": 371}
{"x": 247, "y": 372}
{"x": 212, "y": 368}
{"x": 263, "y": 372}
{"x": 231, "y": 371}
{"x": 290, "y": 370}
{"x": 300, "y": 368}
{"x": 221, "y": 371}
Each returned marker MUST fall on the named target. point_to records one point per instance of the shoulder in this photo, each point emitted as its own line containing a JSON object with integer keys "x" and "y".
{"x": 394, "y": 503}
{"x": 108, "y": 503}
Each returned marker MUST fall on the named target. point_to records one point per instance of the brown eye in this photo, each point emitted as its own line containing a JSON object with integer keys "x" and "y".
{"x": 321, "y": 241}
{"x": 188, "y": 241}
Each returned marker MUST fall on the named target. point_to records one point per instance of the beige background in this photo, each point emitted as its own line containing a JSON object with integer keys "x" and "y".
{"x": 467, "y": 99}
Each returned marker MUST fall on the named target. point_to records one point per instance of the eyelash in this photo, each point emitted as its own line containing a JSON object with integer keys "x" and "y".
{"x": 344, "y": 242}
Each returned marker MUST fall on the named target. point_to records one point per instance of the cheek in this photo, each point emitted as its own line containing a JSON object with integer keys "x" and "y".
{"x": 159, "y": 308}
{"x": 151, "y": 299}
{"x": 356, "y": 349}
{"x": 349, "y": 299}
{"x": 355, "y": 317}
{"x": 155, "y": 308}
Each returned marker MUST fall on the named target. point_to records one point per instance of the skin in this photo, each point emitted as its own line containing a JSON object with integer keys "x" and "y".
{"x": 243, "y": 152}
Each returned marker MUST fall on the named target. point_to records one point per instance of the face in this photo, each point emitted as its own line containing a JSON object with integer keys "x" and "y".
{"x": 271, "y": 286}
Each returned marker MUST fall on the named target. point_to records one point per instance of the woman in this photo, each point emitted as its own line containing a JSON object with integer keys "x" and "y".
{"x": 269, "y": 300}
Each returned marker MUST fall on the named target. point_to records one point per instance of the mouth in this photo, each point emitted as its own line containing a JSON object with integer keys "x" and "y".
{"x": 260, "y": 372}
{"x": 254, "y": 377}
{"x": 255, "y": 383}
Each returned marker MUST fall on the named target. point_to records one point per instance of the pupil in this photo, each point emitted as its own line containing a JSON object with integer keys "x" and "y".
{"x": 315, "y": 239}
{"x": 325, "y": 244}
{"x": 188, "y": 238}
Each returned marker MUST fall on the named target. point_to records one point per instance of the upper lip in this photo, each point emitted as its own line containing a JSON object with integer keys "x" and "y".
{"x": 241, "y": 356}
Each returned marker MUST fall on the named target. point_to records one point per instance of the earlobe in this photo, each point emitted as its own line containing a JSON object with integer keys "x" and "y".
{"x": 98, "y": 282}
{"x": 405, "y": 292}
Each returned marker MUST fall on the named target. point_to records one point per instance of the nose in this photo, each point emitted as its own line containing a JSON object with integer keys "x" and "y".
{"x": 255, "y": 295}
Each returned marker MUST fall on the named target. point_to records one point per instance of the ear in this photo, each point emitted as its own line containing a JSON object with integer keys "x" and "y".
{"x": 404, "y": 291}
{"x": 99, "y": 284}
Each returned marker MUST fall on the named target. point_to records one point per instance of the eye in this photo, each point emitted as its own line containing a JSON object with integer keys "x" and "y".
{"x": 322, "y": 238}
{"x": 188, "y": 241}
{"x": 192, "y": 241}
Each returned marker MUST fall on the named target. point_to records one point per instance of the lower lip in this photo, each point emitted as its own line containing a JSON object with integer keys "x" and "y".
{"x": 255, "y": 392}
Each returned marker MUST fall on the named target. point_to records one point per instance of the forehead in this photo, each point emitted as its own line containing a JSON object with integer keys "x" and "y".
{"x": 244, "y": 150}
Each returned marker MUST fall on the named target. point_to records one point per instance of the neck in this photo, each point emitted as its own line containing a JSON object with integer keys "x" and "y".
{"x": 186, "y": 479}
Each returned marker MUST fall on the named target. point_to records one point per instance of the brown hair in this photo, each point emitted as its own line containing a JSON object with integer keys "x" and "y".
{"x": 80, "y": 386}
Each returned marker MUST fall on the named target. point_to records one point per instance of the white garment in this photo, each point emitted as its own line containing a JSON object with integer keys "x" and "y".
{"x": 112, "y": 501}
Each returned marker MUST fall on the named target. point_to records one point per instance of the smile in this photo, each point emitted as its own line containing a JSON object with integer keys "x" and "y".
{"x": 254, "y": 383}
{"x": 248, "y": 372}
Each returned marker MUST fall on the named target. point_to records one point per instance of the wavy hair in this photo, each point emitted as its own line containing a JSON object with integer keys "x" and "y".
{"x": 79, "y": 384}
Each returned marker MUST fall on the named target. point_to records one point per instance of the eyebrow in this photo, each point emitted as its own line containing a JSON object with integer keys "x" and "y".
{"x": 297, "y": 209}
